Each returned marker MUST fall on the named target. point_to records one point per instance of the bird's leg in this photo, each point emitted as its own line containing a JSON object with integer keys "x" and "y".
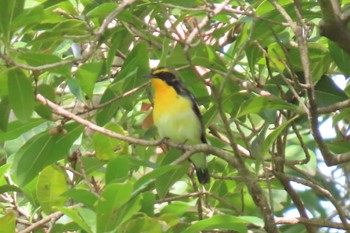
{"x": 181, "y": 145}
{"x": 164, "y": 144}
{"x": 165, "y": 140}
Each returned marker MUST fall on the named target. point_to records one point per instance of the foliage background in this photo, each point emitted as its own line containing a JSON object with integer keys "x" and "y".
{"x": 76, "y": 153}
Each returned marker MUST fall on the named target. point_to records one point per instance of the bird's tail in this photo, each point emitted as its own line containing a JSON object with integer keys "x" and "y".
{"x": 203, "y": 175}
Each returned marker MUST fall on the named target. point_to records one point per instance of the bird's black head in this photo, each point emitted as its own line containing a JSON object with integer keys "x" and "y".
{"x": 167, "y": 76}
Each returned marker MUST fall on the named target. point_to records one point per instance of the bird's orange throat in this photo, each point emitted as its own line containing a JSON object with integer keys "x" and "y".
{"x": 165, "y": 99}
{"x": 163, "y": 93}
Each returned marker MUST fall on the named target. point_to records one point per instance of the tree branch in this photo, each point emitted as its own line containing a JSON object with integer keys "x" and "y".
{"x": 329, "y": 157}
{"x": 334, "y": 107}
{"x": 323, "y": 192}
{"x": 203, "y": 23}
{"x": 250, "y": 180}
{"x": 53, "y": 216}
{"x": 333, "y": 26}
{"x": 311, "y": 222}
{"x": 62, "y": 112}
{"x": 296, "y": 200}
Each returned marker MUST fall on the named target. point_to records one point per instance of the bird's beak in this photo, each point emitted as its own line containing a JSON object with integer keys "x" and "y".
{"x": 147, "y": 75}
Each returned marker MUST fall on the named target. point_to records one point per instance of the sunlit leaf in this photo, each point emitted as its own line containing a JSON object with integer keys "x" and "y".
{"x": 51, "y": 185}
{"x": 108, "y": 148}
{"x": 8, "y": 223}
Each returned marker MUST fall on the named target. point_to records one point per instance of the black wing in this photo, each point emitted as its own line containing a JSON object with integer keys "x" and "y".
{"x": 195, "y": 108}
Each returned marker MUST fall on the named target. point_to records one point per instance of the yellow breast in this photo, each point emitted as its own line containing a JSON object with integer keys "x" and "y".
{"x": 173, "y": 115}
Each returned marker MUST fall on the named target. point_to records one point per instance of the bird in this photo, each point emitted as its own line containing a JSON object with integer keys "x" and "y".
{"x": 177, "y": 117}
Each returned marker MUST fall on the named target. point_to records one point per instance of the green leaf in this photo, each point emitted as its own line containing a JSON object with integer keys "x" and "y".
{"x": 117, "y": 170}
{"x": 260, "y": 103}
{"x": 266, "y": 7}
{"x": 21, "y": 96}
{"x": 8, "y": 11}
{"x": 87, "y": 75}
{"x": 184, "y": 3}
{"x": 277, "y": 56}
{"x": 117, "y": 38}
{"x": 165, "y": 51}
{"x": 320, "y": 60}
{"x": 65, "y": 141}
{"x": 273, "y": 135}
{"x": 177, "y": 56}
{"x": 49, "y": 93}
{"x": 328, "y": 93}
{"x": 29, "y": 191}
{"x": 108, "y": 112}
{"x": 29, "y": 16}
{"x": 264, "y": 30}
{"x": 8, "y": 223}
{"x": 128, "y": 211}
{"x": 3, "y": 83}
{"x": 89, "y": 216}
{"x": 31, "y": 158}
{"x": 131, "y": 75}
{"x": 164, "y": 182}
{"x": 4, "y": 114}
{"x": 206, "y": 56}
{"x": 108, "y": 148}
{"x": 113, "y": 197}
{"x": 82, "y": 196}
{"x": 102, "y": 10}
{"x": 177, "y": 208}
{"x": 51, "y": 184}
{"x": 9, "y": 188}
{"x": 149, "y": 177}
{"x": 17, "y": 128}
{"x": 75, "y": 89}
{"x": 75, "y": 215}
{"x": 41, "y": 151}
{"x": 147, "y": 203}
{"x": 295, "y": 152}
{"x": 340, "y": 57}
{"x": 224, "y": 222}
{"x": 144, "y": 224}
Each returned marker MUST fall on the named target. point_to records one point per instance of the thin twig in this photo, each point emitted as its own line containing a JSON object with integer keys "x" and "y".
{"x": 296, "y": 200}
{"x": 61, "y": 111}
{"x": 83, "y": 172}
{"x": 323, "y": 192}
{"x": 312, "y": 222}
{"x": 127, "y": 93}
{"x": 42, "y": 222}
{"x": 203, "y": 23}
